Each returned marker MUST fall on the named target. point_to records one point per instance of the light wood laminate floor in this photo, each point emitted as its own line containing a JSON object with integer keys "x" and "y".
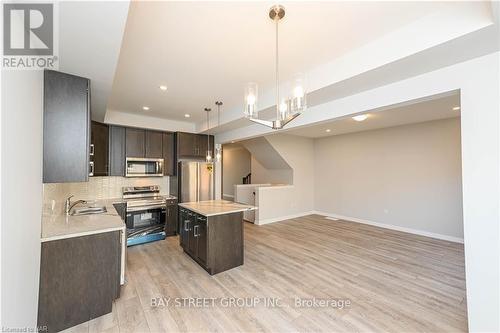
{"x": 396, "y": 282}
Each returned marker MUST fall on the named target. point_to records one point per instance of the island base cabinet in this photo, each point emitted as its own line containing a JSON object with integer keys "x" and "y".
{"x": 214, "y": 242}
{"x": 79, "y": 279}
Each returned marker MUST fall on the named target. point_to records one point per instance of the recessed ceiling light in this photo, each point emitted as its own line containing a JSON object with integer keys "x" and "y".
{"x": 187, "y": 115}
{"x": 456, "y": 108}
{"x": 162, "y": 87}
{"x": 328, "y": 130}
{"x": 360, "y": 117}
{"x": 145, "y": 108}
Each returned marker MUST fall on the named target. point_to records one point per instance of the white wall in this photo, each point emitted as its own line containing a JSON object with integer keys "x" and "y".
{"x": 261, "y": 175}
{"x": 280, "y": 202}
{"x": 236, "y": 165}
{"x": 406, "y": 176}
{"x": 480, "y": 101}
{"x": 21, "y": 192}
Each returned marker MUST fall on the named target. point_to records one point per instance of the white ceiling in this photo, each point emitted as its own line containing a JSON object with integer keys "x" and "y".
{"x": 90, "y": 36}
{"x": 207, "y": 51}
{"x": 433, "y": 109}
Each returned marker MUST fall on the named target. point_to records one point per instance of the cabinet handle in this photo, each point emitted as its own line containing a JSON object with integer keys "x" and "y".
{"x": 91, "y": 172}
{"x": 91, "y": 149}
{"x": 196, "y": 227}
{"x": 186, "y": 225}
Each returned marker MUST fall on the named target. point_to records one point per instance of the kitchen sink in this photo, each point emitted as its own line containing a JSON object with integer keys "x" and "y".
{"x": 88, "y": 210}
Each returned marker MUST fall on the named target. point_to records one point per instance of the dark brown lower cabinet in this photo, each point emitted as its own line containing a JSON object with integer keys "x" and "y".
{"x": 79, "y": 279}
{"x": 201, "y": 235}
{"x": 214, "y": 242}
{"x": 171, "y": 219}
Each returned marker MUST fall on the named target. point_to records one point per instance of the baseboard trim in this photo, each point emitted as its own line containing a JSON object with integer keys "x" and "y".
{"x": 283, "y": 218}
{"x": 392, "y": 227}
{"x": 228, "y": 196}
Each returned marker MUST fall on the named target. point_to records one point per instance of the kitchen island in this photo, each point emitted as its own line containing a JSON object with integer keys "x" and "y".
{"x": 212, "y": 233}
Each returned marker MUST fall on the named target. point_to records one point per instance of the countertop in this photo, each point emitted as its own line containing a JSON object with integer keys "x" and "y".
{"x": 57, "y": 225}
{"x": 216, "y": 207}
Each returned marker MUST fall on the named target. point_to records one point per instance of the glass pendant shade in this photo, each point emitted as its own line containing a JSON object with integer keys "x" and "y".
{"x": 284, "y": 109}
{"x": 251, "y": 97}
{"x": 298, "y": 94}
{"x": 208, "y": 158}
{"x": 218, "y": 154}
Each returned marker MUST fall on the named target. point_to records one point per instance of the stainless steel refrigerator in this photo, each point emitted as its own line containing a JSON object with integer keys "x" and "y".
{"x": 196, "y": 181}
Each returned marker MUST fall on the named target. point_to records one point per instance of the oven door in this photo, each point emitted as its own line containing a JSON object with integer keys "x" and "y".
{"x": 144, "y": 167}
{"x": 145, "y": 218}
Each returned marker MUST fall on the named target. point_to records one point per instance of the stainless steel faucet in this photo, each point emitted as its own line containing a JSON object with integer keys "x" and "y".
{"x": 68, "y": 206}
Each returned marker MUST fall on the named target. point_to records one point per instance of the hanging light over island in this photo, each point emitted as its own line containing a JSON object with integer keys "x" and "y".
{"x": 289, "y": 105}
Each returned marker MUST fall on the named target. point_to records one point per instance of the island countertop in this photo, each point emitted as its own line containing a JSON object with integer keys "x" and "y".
{"x": 216, "y": 207}
{"x": 57, "y": 225}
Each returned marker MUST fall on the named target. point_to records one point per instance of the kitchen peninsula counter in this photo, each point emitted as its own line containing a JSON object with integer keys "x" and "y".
{"x": 57, "y": 225}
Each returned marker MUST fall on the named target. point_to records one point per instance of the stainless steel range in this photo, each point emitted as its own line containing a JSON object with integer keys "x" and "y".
{"x": 145, "y": 214}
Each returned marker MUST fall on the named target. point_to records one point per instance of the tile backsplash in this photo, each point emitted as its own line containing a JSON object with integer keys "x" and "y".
{"x": 99, "y": 188}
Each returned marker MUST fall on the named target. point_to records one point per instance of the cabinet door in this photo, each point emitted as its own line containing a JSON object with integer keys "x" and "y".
{"x": 154, "y": 144}
{"x": 117, "y": 151}
{"x": 192, "y": 241}
{"x": 105, "y": 251}
{"x": 168, "y": 154}
{"x": 212, "y": 145}
{"x": 201, "y": 145}
{"x": 99, "y": 138}
{"x": 201, "y": 236}
{"x": 135, "y": 142}
{"x": 66, "y": 128}
{"x": 171, "y": 223}
{"x": 79, "y": 279}
{"x": 185, "y": 225}
{"x": 186, "y": 144}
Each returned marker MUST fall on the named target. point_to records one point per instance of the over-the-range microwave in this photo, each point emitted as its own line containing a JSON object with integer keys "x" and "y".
{"x": 144, "y": 167}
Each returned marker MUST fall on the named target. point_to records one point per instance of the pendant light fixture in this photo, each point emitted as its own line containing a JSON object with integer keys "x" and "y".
{"x": 288, "y": 106}
{"x": 209, "y": 153}
{"x": 218, "y": 148}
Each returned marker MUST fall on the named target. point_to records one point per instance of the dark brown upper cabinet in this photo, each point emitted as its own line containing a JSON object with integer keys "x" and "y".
{"x": 190, "y": 145}
{"x": 116, "y": 151}
{"x": 135, "y": 140}
{"x": 99, "y": 138}
{"x": 154, "y": 144}
{"x": 168, "y": 154}
{"x": 202, "y": 144}
{"x": 66, "y": 128}
{"x": 143, "y": 143}
{"x": 186, "y": 144}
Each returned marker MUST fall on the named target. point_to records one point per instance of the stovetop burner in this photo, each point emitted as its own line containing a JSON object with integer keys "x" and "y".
{"x": 140, "y": 191}
{"x": 143, "y": 197}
